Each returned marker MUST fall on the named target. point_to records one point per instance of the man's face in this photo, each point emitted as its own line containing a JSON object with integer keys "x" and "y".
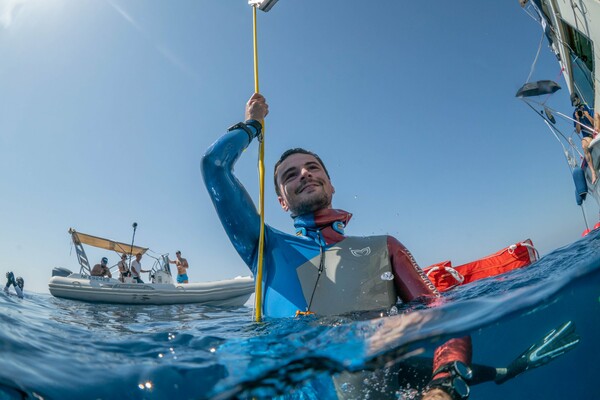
{"x": 303, "y": 184}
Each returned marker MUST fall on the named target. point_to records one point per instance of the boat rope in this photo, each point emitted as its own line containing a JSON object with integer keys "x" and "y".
{"x": 537, "y": 55}
{"x": 558, "y": 113}
{"x": 261, "y": 182}
{"x": 513, "y": 247}
{"x": 587, "y": 226}
{"x": 540, "y": 19}
{"x": 455, "y": 274}
{"x": 551, "y": 126}
{"x": 528, "y": 12}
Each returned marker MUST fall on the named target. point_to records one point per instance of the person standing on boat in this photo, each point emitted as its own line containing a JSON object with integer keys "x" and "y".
{"x": 101, "y": 269}
{"x": 18, "y": 284}
{"x": 136, "y": 268}
{"x": 319, "y": 270}
{"x": 182, "y": 266}
{"x": 123, "y": 268}
{"x": 584, "y": 124}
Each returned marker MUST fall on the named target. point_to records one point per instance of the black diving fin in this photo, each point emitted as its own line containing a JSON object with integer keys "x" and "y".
{"x": 556, "y": 343}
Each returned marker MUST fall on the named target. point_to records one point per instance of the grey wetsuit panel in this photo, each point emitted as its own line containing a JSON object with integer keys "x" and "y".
{"x": 351, "y": 279}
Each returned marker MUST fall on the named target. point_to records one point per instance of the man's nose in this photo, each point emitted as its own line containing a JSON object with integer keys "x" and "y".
{"x": 304, "y": 172}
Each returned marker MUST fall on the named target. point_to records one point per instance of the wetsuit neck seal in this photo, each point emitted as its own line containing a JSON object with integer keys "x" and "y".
{"x": 309, "y": 224}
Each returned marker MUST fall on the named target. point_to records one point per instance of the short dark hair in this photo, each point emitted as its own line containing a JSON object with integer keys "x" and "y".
{"x": 286, "y": 154}
{"x": 178, "y": 252}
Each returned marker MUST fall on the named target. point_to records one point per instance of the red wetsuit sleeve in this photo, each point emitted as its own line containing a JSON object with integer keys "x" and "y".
{"x": 410, "y": 280}
{"x": 460, "y": 349}
{"x": 412, "y": 283}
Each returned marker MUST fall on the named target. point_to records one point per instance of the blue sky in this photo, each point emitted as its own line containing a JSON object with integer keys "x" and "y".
{"x": 107, "y": 107}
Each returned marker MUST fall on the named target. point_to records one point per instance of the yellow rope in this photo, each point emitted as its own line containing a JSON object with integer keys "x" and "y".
{"x": 261, "y": 196}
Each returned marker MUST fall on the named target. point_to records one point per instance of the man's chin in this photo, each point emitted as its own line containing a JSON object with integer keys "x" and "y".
{"x": 310, "y": 206}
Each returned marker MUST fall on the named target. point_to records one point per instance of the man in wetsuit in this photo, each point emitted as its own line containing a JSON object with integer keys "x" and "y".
{"x": 319, "y": 270}
{"x": 18, "y": 284}
{"x": 583, "y": 120}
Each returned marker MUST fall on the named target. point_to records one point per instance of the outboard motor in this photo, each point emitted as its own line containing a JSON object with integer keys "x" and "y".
{"x": 60, "y": 271}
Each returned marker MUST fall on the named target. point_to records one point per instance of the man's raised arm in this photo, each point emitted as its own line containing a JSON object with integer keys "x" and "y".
{"x": 233, "y": 204}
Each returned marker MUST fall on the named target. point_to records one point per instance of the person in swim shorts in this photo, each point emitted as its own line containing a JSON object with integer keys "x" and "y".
{"x": 182, "y": 266}
{"x": 318, "y": 270}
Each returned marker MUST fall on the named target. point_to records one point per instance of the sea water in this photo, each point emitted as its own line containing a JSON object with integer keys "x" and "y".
{"x": 53, "y": 348}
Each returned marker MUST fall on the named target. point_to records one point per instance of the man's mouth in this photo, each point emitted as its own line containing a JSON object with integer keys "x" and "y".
{"x": 307, "y": 185}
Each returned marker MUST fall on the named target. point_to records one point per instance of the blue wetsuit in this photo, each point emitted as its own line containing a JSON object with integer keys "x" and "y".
{"x": 285, "y": 253}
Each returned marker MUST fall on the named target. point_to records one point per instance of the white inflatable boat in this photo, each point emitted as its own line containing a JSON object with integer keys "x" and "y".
{"x": 232, "y": 292}
{"x": 162, "y": 289}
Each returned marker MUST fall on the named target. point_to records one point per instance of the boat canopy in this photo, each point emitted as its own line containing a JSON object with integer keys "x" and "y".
{"x": 106, "y": 244}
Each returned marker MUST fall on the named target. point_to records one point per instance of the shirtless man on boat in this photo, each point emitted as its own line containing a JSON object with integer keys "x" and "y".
{"x": 319, "y": 270}
{"x": 101, "y": 269}
{"x": 182, "y": 266}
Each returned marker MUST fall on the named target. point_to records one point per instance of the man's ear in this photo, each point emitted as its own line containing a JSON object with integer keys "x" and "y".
{"x": 283, "y": 203}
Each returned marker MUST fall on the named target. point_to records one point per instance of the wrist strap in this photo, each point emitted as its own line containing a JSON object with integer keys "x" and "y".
{"x": 257, "y": 126}
{"x": 244, "y": 127}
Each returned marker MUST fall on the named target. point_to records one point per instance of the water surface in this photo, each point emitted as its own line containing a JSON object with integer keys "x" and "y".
{"x": 55, "y": 349}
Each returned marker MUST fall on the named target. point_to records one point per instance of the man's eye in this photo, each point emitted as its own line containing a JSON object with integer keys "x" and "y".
{"x": 288, "y": 177}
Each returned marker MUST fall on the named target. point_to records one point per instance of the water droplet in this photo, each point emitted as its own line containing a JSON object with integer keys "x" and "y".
{"x": 346, "y": 387}
{"x": 387, "y": 276}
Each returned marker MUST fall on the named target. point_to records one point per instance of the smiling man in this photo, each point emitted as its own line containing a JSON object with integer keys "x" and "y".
{"x": 319, "y": 270}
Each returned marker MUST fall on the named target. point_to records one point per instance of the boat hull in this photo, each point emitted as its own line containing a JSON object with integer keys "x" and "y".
{"x": 232, "y": 292}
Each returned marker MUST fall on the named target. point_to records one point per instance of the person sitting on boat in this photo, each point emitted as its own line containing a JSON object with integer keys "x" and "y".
{"x": 584, "y": 124}
{"x": 136, "y": 268}
{"x": 101, "y": 269}
{"x": 18, "y": 284}
{"x": 123, "y": 268}
{"x": 182, "y": 266}
{"x": 319, "y": 270}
